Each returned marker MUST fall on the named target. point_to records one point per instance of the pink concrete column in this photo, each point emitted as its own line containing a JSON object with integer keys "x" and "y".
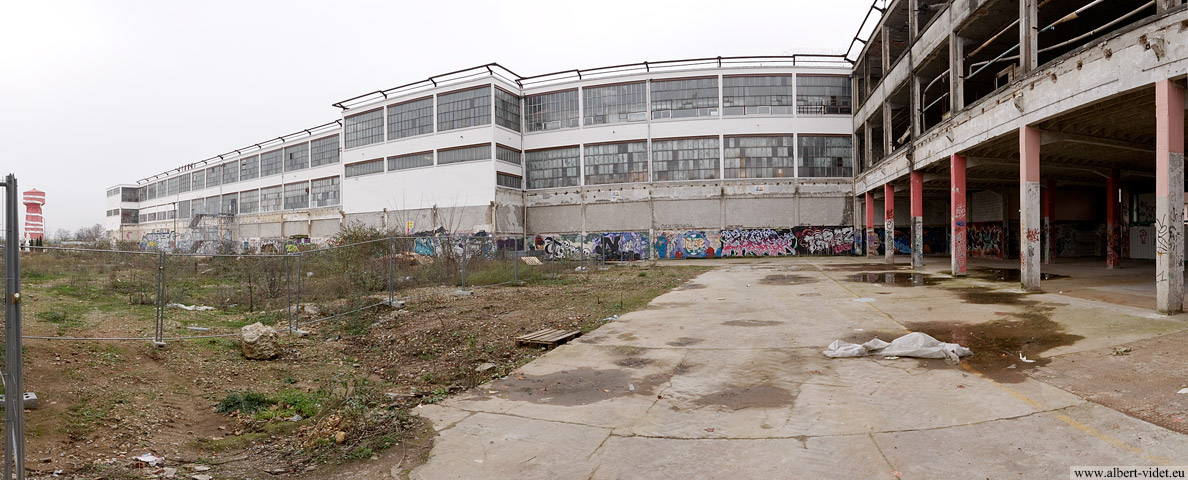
{"x": 1113, "y": 232}
{"x": 917, "y": 192}
{"x": 1029, "y": 208}
{"x": 957, "y": 207}
{"x": 871, "y": 246}
{"x": 1049, "y": 199}
{"x": 889, "y": 222}
{"x": 1169, "y": 197}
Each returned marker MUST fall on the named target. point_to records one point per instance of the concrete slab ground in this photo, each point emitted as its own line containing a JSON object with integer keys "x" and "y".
{"x": 724, "y": 378}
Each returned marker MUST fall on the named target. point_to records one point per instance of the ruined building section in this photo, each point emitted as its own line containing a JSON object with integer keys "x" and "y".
{"x": 1040, "y": 129}
{"x": 689, "y": 158}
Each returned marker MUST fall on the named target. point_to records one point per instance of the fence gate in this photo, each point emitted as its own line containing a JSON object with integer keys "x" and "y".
{"x": 14, "y": 398}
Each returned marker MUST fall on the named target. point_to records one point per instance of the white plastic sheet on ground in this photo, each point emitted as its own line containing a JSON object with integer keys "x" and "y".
{"x": 915, "y": 344}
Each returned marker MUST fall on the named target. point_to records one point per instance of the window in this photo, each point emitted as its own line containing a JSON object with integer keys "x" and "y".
{"x": 691, "y": 97}
{"x": 249, "y": 201}
{"x": 365, "y": 168}
{"x": 616, "y": 163}
{"x": 212, "y": 205}
{"x": 196, "y": 207}
{"x": 463, "y": 109}
{"x": 508, "y": 180}
{"x": 230, "y": 172}
{"x": 615, "y": 104}
{"x": 364, "y": 129}
{"x": 551, "y": 111}
{"x": 297, "y": 157}
{"x": 142, "y": 194}
{"x": 129, "y": 194}
{"x": 757, "y": 95}
{"x": 464, "y": 154}
{"x": 324, "y": 192}
{"x": 171, "y": 186}
{"x": 296, "y": 195}
{"x": 214, "y": 176}
{"x": 111, "y": 193}
{"x": 410, "y": 118}
{"x": 183, "y": 183}
{"x": 270, "y": 199}
{"x": 508, "y": 155}
{"x": 323, "y": 151}
{"x": 826, "y": 156}
{"x": 685, "y": 159}
{"x": 249, "y": 167}
{"x": 183, "y": 209}
{"x": 129, "y": 216}
{"x": 412, "y": 160}
{"x": 198, "y": 180}
{"x": 553, "y": 168}
{"x": 758, "y": 157}
{"x": 823, "y": 95}
{"x": 270, "y": 163}
{"x": 151, "y": 190}
{"x": 507, "y": 109}
{"x": 230, "y": 204}
{"x": 115, "y": 211}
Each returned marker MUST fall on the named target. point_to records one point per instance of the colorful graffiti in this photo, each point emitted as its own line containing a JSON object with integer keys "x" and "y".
{"x": 826, "y": 240}
{"x": 986, "y": 239}
{"x": 687, "y": 244}
{"x": 764, "y": 242}
{"x": 935, "y": 241}
{"x": 620, "y": 245}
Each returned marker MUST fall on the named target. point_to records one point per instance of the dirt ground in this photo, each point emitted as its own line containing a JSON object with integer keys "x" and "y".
{"x": 325, "y": 408}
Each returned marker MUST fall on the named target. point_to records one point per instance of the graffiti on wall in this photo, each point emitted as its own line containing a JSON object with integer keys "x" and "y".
{"x": 687, "y": 244}
{"x": 194, "y": 241}
{"x": 935, "y": 241}
{"x": 763, "y": 242}
{"x": 986, "y": 239}
{"x": 619, "y": 245}
{"x": 825, "y": 240}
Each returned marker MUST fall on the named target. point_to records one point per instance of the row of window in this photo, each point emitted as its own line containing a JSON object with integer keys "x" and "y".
{"x": 691, "y": 159}
{"x": 608, "y": 104}
{"x": 445, "y": 156}
{"x": 323, "y": 192}
{"x": 323, "y": 151}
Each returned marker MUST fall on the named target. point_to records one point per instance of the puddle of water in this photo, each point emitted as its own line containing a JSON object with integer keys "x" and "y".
{"x": 684, "y": 342}
{"x": 860, "y": 267}
{"x": 897, "y": 279}
{"x": 1008, "y": 274}
{"x": 786, "y": 279}
{"x": 627, "y": 337}
{"x": 690, "y": 286}
{"x": 576, "y": 387}
{"x": 755, "y": 396}
{"x": 751, "y": 323}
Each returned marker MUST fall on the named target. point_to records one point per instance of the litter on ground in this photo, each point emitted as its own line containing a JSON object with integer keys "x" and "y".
{"x": 915, "y": 344}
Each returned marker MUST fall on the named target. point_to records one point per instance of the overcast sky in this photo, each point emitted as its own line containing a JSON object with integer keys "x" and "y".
{"x": 93, "y": 94}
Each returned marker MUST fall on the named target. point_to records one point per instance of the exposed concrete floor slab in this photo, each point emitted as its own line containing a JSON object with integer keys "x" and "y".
{"x": 724, "y": 377}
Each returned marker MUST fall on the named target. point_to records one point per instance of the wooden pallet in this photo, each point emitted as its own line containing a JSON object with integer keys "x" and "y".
{"x": 548, "y": 337}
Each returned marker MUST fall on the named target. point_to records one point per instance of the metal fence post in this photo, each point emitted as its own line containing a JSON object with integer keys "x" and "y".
{"x": 158, "y": 336}
{"x": 297, "y": 305}
{"x": 288, "y": 293}
{"x": 465, "y": 243}
{"x": 392, "y": 271}
{"x": 516, "y": 261}
{"x": 14, "y": 379}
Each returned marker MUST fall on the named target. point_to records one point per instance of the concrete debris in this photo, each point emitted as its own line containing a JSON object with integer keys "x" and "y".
{"x": 1183, "y": 390}
{"x": 30, "y": 399}
{"x": 1119, "y": 351}
{"x": 580, "y": 269}
{"x": 198, "y": 468}
{"x": 168, "y": 472}
{"x": 484, "y": 367}
{"x": 149, "y": 459}
{"x": 915, "y": 344}
{"x": 295, "y": 418}
{"x": 531, "y": 261}
{"x": 258, "y": 342}
{"x": 201, "y": 476}
{"x": 200, "y": 308}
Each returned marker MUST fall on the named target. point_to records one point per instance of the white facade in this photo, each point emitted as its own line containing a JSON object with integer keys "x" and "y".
{"x": 467, "y": 196}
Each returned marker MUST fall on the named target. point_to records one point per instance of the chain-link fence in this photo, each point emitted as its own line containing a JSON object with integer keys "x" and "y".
{"x": 97, "y": 294}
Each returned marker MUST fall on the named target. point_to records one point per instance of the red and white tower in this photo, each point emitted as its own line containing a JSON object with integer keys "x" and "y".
{"x": 34, "y": 222}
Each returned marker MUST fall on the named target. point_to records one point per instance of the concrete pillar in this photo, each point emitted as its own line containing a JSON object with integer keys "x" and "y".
{"x": 871, "y": 249}
{"x": 1029, "y": 207}
{"x": 889, "y": 222}
{"x": 1049, "y": 199}
{"x": 1169, "y": 197}
{"x": 957, "y": 208}
{"x": 917, "y": 193}
{"x": 956, "y": 70}
{"x": 1028, "y": 36}
{"x": 1113, "y": 232}
{"x": 888, "y": 133}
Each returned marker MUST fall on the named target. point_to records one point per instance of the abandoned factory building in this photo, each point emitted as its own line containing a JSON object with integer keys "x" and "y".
{"x": 1013, "y": 129}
